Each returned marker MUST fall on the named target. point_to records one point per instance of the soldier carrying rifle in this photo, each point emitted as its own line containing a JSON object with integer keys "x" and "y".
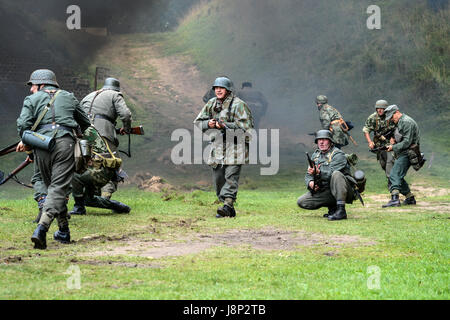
{"x": 329, "y": 180}
{"x": 382, "y": 130}
{"x": 103, "y": 107}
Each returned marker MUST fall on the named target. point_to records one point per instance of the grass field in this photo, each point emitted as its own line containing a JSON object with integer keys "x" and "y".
{"x": 171, "y": 247}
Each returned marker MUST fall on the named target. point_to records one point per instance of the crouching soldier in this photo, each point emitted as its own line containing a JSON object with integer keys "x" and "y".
{"x": 327, "y": 182}
{"x": 102, "y": 165}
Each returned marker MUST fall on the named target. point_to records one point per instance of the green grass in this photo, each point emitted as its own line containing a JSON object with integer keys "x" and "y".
{"x": 410, "y": 246}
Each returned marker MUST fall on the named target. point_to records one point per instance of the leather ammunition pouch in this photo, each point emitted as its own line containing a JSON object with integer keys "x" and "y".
{"x": 416, "y": 158}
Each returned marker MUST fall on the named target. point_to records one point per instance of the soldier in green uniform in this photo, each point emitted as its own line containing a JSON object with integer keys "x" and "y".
{"x": 226, "y": 113}
{"x": 406, "y": 135}
{"x": 255, "y": 101}
{"x": 56, "y": 167}
{"x": 332, "y": 189}
{"x": 101, "y": 169}
{"x": 332, "y": 120}
{"x": 380, "y": 127}
{"x": 103, "y": 107}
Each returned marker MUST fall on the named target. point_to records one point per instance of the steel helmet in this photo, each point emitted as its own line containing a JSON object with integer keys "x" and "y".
{"x": 321, "y": 99}
{"x": 112, "y": 83}
{"x": 223, "y": 82}
{"x": 43, "y": 76}
{"x": 381, "y": 104}
{"x": 323, "y": 134}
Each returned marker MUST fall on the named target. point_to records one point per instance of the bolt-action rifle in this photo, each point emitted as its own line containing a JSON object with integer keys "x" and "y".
{"x": 25, "y": 163}
{"x": 376, "y": 150}
{"x": 383, "y": 136}
{"x": 9, "y": 149}
{"x": 135, "y": 130}
{"x": 315, "y": 176}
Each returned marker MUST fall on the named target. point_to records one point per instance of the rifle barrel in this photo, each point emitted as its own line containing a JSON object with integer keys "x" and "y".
{"x": 16, "y": 170}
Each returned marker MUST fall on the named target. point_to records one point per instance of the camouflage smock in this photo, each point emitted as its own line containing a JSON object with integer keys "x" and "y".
{"x": 328, "y": 114}
{"x": 100, "y": 174}
{"x": 379, "y": 126}
{"x": 236, "y": 114}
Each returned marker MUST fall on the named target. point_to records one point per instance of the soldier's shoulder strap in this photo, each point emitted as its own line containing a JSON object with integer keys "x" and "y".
{"x": 92, "y": 102}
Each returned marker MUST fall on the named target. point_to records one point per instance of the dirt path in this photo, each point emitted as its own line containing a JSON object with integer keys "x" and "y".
{"x": 262, "y": 239}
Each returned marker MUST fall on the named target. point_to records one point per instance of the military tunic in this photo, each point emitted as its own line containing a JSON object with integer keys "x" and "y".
{"x": 227, "y": 158}
{"x": 407, "y": 133}
{"x": 56, "y": 168}
{"x": 104, "y": 107}
{"x": 108, "y": 105}
{"x": 380, "y": 126}
{"x": 333, "y": 186}
{"x": 329, "y": 117}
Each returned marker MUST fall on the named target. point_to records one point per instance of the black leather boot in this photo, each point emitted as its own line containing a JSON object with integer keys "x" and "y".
{"x": 409, "y": 201}
{"x": 331, "y": 211}
{"x": 62, "y": 235}
{"x": 79, "y": 206}
{"x": 339, "y": 214}
{"x": 394, "y": 202}
{"x": 119, "y": 207}
{"x": 39, "y": 237}
{"x": 226, "y": 211}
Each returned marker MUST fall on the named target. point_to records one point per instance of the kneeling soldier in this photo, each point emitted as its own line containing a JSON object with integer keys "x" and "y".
{"x": 101, "y": 168}
{"x": 327, "y": 182}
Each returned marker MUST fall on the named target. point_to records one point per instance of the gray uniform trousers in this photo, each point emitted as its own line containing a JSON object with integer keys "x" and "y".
{"x": 339, "y": 190}
{"x": 56, "y": 168}
{"x": 226, "y": 179}
{"x": 386, "y": 162}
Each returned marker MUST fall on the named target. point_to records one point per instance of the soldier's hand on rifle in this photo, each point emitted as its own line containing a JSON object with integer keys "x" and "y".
{"x": 212, "y": 123}
{"x": 389, "y": 148}
{"x": 371, "y": 145}
{"x": 311, "y": 185}
{"x": 122, "y": 131}
{"x": 20, "y": 147}
{"x": 311, "y": 170}
{"x": 219, "y": 125}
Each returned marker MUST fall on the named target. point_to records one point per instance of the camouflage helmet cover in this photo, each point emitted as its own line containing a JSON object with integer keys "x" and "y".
{"x": 321, "y": 99}
{"x": 43, "y": 76}
{"x": 381, "y": 104}
{"x": 111, "y": 83}
{"x": 323, "y": 134}
{"x": 223, "y": 82}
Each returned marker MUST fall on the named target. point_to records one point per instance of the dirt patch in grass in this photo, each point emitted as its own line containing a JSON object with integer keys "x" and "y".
{"x": 420, "y": 193}
{"x": 263, "y": 239}
{"x": 11, "y": 259}
{"x": 115, "y": 263}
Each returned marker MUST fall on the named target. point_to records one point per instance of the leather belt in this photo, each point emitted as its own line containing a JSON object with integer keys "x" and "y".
{"x": 102, "y": 116}
{"x": 54, "y": 126}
